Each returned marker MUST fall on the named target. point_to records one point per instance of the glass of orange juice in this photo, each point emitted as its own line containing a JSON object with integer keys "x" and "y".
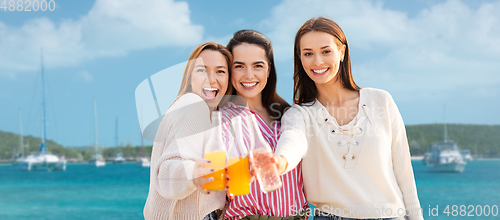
{"x": 238, "y": 169}
{"x": 218, "y": 163}
{"x": 239, "y": 177}
{"x": 215, "y": 151}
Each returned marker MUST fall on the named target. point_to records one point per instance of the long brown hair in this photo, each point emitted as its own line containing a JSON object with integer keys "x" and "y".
{"x": 304, "y": 89}
{"x": 186, "y": 77}
{"x": 274, "y": 104}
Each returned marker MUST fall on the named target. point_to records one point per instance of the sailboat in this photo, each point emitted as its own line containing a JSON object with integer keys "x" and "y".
{"x": 143, "y": 161}
{"x": 97, "y": 160}
{"x": 445, "y": 156}
{"x": 42, "y": 160}
{"x": 118, "y": 156}
{"x": 20, "y": 152}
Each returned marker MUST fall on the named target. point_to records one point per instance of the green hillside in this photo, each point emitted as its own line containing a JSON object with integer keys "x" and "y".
{"x": 481, "y": 140}
{"x": 128, "y": 152}
{"x": 9, "y": 144}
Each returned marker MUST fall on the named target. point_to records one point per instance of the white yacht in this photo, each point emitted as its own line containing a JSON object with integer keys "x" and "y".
{"x": 118, "y": 159}
{"x": 143, "y": 162}
{"x": 445, "y": 156}
{"x": 42, "y": 160}
{"x": 466, "y": 155}
{"x": 97, "y": 160}
{"x": 118, "y": 156}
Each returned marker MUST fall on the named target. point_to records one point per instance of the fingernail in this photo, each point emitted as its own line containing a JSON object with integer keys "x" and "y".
{"x": 208, "y": 192}
{"x": 227, "y": 179}
{"x": 212, "y": 170}
{"x": 209, "y": 161}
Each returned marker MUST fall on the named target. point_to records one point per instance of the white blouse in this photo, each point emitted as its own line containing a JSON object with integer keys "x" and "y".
{"x": 359, "y": 170}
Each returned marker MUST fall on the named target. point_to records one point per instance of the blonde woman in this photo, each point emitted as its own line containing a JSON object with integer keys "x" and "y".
{"x": 176, "y": 185}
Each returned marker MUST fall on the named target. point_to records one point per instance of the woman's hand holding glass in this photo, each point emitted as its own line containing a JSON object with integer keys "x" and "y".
{"x": 199, "y": 173}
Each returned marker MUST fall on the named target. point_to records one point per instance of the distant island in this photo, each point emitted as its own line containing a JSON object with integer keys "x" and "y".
{"x": 483, "y": 141}
{"x": 9, "y": 145}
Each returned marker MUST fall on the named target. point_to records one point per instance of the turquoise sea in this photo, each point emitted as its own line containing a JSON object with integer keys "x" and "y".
{"x": 120, "y": 191}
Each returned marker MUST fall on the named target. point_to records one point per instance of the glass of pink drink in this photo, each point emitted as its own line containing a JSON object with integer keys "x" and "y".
{"x": 265, "y": 167}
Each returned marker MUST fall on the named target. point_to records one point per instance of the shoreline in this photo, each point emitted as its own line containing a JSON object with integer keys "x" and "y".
{"x": 76, "y": 161}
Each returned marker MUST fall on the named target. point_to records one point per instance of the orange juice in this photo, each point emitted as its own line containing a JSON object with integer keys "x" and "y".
{"x": 239, "y": 176}
{"x": 218, "y": 163}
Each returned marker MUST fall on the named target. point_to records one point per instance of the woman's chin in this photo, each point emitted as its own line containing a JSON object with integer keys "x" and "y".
{"x": 212, "y": 103}
{"x": 322, "y": 79}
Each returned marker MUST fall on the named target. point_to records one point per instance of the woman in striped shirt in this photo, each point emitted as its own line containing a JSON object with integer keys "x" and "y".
{"x": 254, "y": 79}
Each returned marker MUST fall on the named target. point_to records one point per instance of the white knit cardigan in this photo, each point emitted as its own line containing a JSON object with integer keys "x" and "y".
{"x": 178, "y": 142}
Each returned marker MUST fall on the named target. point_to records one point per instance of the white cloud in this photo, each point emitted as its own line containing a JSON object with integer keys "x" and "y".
{"x": 444, "y": 47}
{"x": 110, "y": 28}
{"x": 122, "y": 25}
{"x": 85, "y": 76}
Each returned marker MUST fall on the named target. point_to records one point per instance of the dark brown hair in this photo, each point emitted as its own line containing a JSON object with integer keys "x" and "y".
{"x": 186, "y": 77}
{"x": 304, "y": 89}
{"x": 274, "y": 104}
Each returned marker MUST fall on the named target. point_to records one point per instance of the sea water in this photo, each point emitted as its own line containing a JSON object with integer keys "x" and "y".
{"x": 120, "y": 191}
{"x": 472, "y": 191}
{"x": 80, "y": 192}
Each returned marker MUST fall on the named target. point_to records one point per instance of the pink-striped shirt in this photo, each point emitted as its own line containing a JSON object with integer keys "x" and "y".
{"x": 286, "y": 201}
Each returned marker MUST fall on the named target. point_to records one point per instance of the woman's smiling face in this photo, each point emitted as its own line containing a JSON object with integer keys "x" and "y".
{"x": 321, "y": 55}
{"x": 210, "y": 77}
{"x": 250, "y": 70}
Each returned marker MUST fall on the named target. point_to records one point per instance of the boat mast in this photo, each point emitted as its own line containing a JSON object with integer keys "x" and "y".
{"x": 142, "y": 138}
{"x": 21, "y": 147}
{"x": 445, "y": 130}
{"x": 142, "y": 146}
{"x": 95, "y": 129}
{"x": 116, "y": 135}
{"x": 43, "y": 148}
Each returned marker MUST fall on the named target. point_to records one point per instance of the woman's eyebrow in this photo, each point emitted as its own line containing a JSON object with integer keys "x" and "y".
{"x": 323, "y": 47}
{"x": 238, "y": 62}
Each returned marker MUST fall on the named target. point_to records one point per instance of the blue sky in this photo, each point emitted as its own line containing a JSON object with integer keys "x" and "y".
{"x": 427, "y": 54}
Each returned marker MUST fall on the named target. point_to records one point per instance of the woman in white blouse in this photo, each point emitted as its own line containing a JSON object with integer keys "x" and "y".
{"x": 352, "y": 142}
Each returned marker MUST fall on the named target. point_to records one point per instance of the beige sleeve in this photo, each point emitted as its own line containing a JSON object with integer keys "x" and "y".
{"x": 178, "y": 143}
{"x": 401, "y": 161}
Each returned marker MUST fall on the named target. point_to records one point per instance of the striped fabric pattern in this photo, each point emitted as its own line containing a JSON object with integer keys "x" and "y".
{"x": 286, "y": 201}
